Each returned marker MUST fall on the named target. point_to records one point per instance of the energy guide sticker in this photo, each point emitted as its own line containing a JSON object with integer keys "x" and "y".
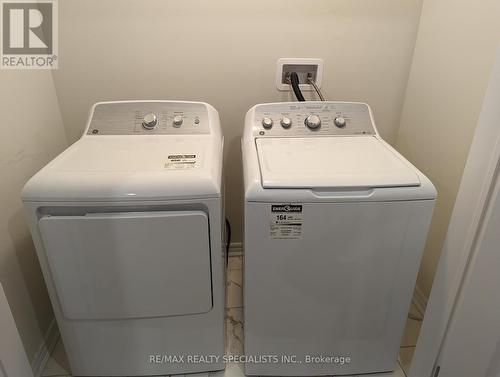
{"x": 285, "y": 221}
{"x": 181, "y": 161}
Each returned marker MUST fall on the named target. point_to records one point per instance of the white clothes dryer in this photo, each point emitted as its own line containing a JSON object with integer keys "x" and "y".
{"x": 127, "y": 224}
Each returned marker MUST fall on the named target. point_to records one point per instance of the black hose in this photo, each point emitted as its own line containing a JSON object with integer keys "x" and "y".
{"x": 228, "y": 240}
{"x": 294, "y": 79}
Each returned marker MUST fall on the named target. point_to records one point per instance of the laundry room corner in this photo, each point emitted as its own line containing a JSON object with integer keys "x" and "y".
{"x": 32, "y": 134}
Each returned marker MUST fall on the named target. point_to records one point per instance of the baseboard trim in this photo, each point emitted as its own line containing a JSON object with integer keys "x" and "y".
{"x": 44, "y": 351}
{"x": 420, "y": 300}
{"x": 235, "y": 249}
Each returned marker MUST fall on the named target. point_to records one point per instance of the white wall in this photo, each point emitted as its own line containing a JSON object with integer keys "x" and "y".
{"x": 224, "y": 52}
{"x": 32, "y": 134}
{"x": 454, "y": 54}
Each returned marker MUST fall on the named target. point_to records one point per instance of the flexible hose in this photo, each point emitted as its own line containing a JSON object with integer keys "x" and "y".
{"x": 294, "y": 79}
{"x": 320, "y": 95}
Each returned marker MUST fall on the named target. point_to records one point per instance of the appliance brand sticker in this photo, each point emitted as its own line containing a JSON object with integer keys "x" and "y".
{"x": 285, "y": 221}
{"x": 181, "y": 161}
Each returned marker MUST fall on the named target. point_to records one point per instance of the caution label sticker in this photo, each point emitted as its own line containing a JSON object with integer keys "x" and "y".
{"x": 181, "y": 161}
{"x": 285, "y": 221}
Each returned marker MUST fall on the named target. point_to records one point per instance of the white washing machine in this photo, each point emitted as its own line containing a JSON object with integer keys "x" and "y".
{"x": 335, "y": 224}
{"x": 127, "y": 226}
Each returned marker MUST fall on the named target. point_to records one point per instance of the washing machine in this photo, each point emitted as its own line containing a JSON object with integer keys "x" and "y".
{"x": 127, "y": 228}
{"x": 335, "y": 224}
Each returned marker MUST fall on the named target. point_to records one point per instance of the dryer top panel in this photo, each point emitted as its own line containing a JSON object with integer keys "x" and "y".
{"x": 149, "y": 118}
{"x": 117, "y": 165}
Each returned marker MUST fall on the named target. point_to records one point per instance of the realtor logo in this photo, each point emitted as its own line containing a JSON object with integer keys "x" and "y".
{"x": 29, "y": 34}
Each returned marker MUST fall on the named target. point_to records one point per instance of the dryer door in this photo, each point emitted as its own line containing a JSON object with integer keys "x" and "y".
{"x": 129, "y": 264}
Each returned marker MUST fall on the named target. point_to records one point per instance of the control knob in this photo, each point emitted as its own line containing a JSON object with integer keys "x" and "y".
{"x": 286, "y": 122}
{"x": 340, "y": 122}
{"x": 267, "y": 123}
{"x": 313, "y": 122}
{"x": 149, "y": 121}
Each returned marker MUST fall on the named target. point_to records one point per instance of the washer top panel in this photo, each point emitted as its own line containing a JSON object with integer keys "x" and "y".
{"x": 312, "y": 119}
{"x": 149, "y": 118}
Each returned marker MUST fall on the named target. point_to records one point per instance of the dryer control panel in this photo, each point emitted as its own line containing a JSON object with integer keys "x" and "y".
{"x": 313, "y": 119}
{"x": 149, "y": 118}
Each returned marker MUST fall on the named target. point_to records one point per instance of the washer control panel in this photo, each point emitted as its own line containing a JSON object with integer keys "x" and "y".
{"x": 313, "y": 119}
{"x": 149, "y": 118}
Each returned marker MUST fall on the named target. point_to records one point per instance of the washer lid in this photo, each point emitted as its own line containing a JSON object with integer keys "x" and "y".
{"x": 331, "y": 162}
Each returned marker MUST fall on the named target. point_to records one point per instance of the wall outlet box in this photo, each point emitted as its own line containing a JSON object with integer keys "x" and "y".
{"x": 305, "y": 67}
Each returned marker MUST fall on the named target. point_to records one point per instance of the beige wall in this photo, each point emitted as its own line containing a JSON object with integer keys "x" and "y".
{"x": 32, "y": 134}
{"x": 224, "y": 52}
{"x": 454, "y": 53}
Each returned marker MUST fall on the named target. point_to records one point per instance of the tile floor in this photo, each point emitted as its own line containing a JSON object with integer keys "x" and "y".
{"x": 57, "y": 365}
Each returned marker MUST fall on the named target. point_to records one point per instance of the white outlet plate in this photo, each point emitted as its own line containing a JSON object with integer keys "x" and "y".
{"x": 316, "y": 63}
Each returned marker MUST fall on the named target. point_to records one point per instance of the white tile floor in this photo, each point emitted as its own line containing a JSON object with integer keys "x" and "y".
{"x": 57, "y": 366}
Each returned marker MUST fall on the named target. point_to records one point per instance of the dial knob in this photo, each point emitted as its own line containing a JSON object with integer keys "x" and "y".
{"x": 340, "y": 122}
{"x": 286, "y": 122}
{"x": 267, "y": 123}
{"x": 313, "y": 122}
{"x": 149, "y": 121}
{"x": 178, "y": 121}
